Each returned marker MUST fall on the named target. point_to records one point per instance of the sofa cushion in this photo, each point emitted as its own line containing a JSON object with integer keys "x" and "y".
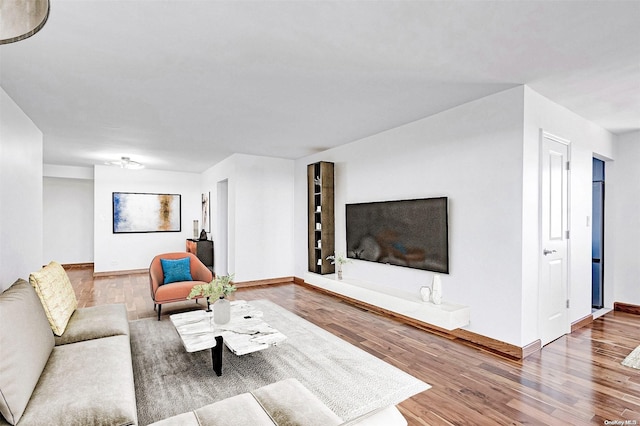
{"x": 288, "y": 402}
{"x": 176, "y": 270}
{"x": 175, "y": 291}
{"x": 26, "y": 342}
{"x": 86, "y": 383}
{"x": 184, "y": 419}
{"x": 241, "y": 409}
{"x": 56, "y": 294}
{"x": 95, "y": 322}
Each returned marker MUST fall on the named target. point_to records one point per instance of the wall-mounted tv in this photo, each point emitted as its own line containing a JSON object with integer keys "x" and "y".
{"x": 411, "y": 233}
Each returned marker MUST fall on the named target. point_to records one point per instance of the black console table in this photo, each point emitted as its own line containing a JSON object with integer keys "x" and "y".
{"x": 203, "y": 249}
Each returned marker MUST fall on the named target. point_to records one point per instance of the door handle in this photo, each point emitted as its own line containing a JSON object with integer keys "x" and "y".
{"x": 546, "y": 252}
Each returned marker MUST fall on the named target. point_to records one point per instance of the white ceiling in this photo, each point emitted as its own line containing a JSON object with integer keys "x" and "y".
{"x": 180, "y": 85}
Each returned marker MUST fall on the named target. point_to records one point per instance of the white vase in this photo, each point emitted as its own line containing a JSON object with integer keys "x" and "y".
{"x": 196, "y": 230}
{"x": 221, "y": 311}
{"x": 425, "y": 293}
{"x": 339, "y": 272}
{"x": 436, "y": 291}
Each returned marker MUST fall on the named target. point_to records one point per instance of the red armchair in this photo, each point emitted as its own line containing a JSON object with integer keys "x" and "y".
{"x": 176, "y": 291}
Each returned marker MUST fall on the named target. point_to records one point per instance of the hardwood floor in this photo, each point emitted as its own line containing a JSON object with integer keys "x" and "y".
{"x": 578, "y": 379}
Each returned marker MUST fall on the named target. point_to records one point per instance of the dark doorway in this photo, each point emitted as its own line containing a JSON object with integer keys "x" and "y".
{"x": 597, "y": 229}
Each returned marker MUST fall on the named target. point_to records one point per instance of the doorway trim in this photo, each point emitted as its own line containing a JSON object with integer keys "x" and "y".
{"x": 222, "y": 214}
{"x": 600, "y": 225}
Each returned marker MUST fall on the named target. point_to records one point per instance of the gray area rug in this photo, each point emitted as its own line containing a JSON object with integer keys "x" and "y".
{"x": 350, "y": 381}
{"x": 633, "y": 359}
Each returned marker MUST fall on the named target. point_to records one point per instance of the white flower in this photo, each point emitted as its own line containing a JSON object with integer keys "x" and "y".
{"x": 339, "y": 259}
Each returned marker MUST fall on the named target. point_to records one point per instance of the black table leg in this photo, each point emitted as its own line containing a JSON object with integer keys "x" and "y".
{"x": 216, "y": 356}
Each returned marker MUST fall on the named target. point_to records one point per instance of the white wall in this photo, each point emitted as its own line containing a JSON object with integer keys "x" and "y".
{"x": 68, "y": 220}
{"x": 68, "y": 172}
{"x": 223, "y": 171}
{"x": 586, "y": 140}
{"x": 260, "y": 212}
{"x": 121, "y": 252}
{"x": 20, "y": 193}
{"x": 622, "y": 226}
{"x": 471, "y": 154}
{"x": 484, "y": 156}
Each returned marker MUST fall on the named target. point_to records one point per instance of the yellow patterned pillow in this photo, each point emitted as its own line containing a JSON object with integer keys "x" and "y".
{"x": 56, "y": 295}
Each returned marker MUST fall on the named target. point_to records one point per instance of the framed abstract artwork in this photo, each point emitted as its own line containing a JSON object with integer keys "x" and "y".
{"x": 140, "y": 212}
{"x": 206, "y": 212}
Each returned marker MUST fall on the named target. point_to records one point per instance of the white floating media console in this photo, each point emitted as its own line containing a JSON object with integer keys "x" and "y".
{"x": 446, "y": 315}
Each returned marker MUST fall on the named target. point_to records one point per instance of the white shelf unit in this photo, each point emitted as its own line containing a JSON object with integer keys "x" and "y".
{"x": 448, "y": 316}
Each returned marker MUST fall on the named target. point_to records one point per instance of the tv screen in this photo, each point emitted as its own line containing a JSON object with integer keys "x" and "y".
{"x": 411, "y": 233}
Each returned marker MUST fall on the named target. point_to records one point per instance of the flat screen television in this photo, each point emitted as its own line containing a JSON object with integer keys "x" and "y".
{"x": 411, "y": 233}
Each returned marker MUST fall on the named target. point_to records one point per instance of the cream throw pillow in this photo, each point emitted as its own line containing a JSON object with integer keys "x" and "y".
{"x": 56, "y": 295}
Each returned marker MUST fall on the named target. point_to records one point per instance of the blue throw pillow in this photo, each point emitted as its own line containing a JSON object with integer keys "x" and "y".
{"x": 176, "y": 270}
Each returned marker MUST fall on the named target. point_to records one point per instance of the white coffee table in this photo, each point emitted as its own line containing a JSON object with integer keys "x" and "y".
{"x": 245, "y": 333}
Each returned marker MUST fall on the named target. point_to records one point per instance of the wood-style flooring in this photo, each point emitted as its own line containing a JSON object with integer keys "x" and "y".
{"x": 578, "y": 379}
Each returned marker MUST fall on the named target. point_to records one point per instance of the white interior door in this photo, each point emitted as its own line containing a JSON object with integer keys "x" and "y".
{"x": 554, "y": 247}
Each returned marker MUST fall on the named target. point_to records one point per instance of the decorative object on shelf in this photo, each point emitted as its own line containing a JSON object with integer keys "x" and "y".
{"x": 203, "y": 235}
{"x": 436, "y": 291}
{"x": 220, "y": 287}
{"x": 145, "y": 212}
{"x": 338, "y": 260}
{"x": 22, "y": 19}
{"x": 425, "y": 293}
{"x": 196, "y": 228}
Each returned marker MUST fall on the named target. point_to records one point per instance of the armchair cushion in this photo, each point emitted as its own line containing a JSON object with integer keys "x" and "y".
{"x": 176, "y": 270}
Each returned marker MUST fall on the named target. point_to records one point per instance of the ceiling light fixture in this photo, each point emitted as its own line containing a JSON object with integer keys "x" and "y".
{"x": 20, "y": 19}
{"x": 126, "y": 163}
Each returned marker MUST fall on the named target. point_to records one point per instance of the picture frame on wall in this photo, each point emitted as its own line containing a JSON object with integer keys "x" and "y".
{"x": 206, "y": 211}
{"x": 135, "y": 212}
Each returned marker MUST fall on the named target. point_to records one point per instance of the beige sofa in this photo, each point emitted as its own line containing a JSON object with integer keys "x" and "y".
{"x": 283, "y": 403}
{"x": 83, "y": 377}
